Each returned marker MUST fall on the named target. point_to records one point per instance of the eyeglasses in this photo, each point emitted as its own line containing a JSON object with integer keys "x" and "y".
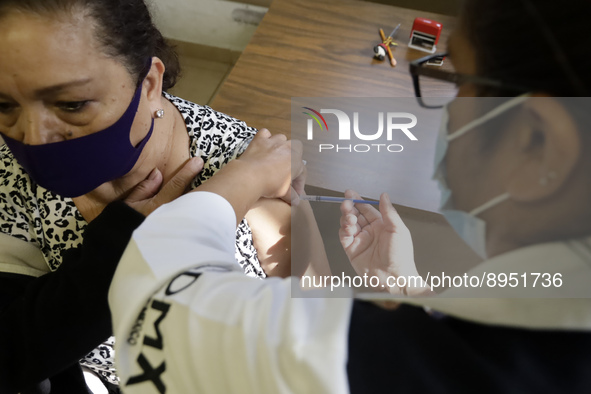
{"x": 436, "y": 87}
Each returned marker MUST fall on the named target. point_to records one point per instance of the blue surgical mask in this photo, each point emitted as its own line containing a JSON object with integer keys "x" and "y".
{"x": 75, "y": 167}
{"x": 468, "y": 225}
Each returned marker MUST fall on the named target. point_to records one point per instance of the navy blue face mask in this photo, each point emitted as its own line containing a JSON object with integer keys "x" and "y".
{"x": 75, "y": 167}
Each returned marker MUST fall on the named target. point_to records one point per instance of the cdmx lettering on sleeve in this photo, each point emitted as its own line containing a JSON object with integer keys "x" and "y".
{"x": 151, "y": 359}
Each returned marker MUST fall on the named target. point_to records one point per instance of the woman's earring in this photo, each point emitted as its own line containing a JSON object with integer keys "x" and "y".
{"x": 160, "y": 113}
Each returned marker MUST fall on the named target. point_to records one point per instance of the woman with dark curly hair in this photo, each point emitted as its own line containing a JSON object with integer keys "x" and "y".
{"x": 88, "y": 124}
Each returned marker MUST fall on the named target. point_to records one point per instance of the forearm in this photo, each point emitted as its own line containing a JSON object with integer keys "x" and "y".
{"x": 237, "y": 184}
{"x": 50, "y": 322}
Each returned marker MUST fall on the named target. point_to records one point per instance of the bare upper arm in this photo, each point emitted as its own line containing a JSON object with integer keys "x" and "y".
{"x": 270, "y": 222}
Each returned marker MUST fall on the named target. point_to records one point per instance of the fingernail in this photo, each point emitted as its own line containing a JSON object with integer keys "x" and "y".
{"x": 153, "y": 174}
{"x": 196, "y": 162}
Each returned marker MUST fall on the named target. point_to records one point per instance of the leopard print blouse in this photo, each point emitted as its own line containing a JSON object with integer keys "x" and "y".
{"x": 53, "y": 223}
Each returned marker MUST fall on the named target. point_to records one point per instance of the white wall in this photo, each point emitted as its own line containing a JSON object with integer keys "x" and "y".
{"x": 222, "y": 24}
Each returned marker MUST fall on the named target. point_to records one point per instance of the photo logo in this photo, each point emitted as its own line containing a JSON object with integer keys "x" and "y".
{"x": 316, "y": 119}
{"x": 391, "y": 122}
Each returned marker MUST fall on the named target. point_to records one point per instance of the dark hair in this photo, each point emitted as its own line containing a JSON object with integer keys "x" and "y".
{"x": 538, "y": 44}
{"x": 123, "y": 27}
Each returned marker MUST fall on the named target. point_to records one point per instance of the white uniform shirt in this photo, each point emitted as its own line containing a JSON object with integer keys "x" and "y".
{"x": 223, "y": 332}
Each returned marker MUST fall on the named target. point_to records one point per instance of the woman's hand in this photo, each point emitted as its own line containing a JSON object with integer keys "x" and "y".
{"x": 378, "y": 243}
{"x": 263, "y": 170}
{"x": 299, "y": 172}
{"x": 147, "y": 196}
{"x": 270, "y": 158}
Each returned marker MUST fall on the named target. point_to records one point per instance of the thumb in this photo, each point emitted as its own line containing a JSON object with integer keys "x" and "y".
{"x": 300, "y": 181}
{"x": 295, "y": 197}
{"x": 390, "y": 215}
{"x": 146, "y": 188}
{"x": 369, "y": 212}
{"x": 262, "y": 133}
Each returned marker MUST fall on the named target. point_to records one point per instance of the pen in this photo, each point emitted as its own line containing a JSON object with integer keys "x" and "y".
{"x": 394, "y": 31}
{"x": 336, "y": 199}
{"x": 390, "y": 55}
{"x": 386, "y": 42}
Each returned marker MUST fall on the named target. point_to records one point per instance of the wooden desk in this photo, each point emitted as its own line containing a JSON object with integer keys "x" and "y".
{"x": 306, "y": 48}
{"x": 324, "y": 48}
{"x": 311, "y": 48}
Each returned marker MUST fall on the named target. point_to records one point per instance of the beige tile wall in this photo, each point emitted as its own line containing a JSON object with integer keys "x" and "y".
{"x": 203, "y": 71}
{"x": 200, "y": 79}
